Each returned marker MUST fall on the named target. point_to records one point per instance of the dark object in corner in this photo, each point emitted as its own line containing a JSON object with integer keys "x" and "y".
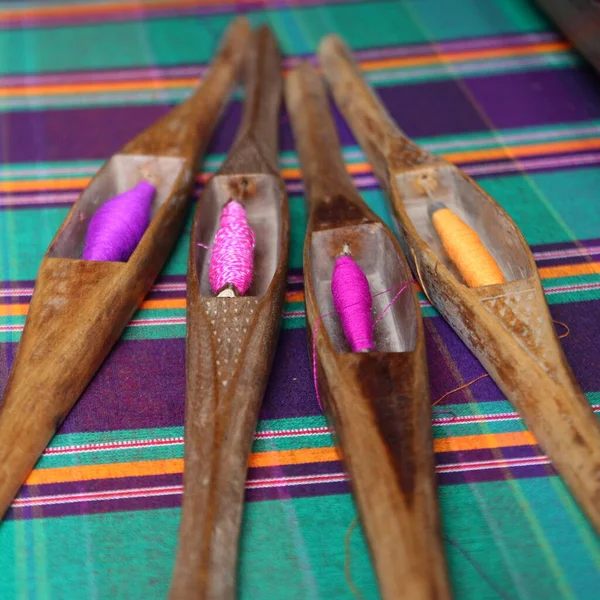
{"x": 579, "y": 20}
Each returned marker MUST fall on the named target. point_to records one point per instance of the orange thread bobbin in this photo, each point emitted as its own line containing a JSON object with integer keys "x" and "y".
{"x": 465, "y": 249}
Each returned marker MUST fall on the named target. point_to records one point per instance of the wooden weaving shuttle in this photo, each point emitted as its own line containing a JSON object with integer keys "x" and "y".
{"x": 79, "y": 308}
{"x": 231, "y": 341}
{"x": 378, "y": 402}
{"x": 506, "y": 325}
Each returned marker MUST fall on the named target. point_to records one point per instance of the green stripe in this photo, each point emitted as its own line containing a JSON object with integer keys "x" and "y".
{"x": 292, "y": 535}
{"x": 157, "y": 42}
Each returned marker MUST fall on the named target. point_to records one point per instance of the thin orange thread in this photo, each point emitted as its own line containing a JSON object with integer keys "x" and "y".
{"x": 347, "y": 560}
{"x": 567, "y": 329}
{"x": 462, "y": 387}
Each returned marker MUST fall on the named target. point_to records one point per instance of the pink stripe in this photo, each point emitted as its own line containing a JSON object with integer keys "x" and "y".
{"x": 492, "y": 464}
{"x": 509, "y": 416}
{"x": 566, "y": 253}
{"x": 122, "y": 444}
{"x": 550, "y": 162}
{"x": 175, "y": 441}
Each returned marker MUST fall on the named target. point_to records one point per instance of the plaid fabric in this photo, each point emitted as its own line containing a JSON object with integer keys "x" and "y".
{"x": 490, "y": 85}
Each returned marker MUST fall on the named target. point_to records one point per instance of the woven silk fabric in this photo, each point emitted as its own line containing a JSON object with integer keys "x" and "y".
{"x": 490, "y": 85}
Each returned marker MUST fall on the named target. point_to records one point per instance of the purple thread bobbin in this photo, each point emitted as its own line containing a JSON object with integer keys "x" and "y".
{"x": 352, "y": 300}
{"x": 119, "y": 224}
{"x": 232, "y": 255}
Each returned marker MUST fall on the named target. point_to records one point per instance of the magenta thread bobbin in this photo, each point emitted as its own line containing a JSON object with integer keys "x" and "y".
{"x": 353, "y": 302}
{"x": 232, "y": 255}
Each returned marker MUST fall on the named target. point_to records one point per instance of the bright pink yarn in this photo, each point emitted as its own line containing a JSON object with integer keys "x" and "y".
{"x": 352, "y": 300}
{"x": 119, "y": 224}
{"x": 232, "y": 256}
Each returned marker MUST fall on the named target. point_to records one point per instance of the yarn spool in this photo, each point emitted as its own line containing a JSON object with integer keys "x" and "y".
{"x": 353, "y": 302}
{"x": 232, "y": 256}
{"x": 465, "y": 248}
{"x": 119, "y": 224}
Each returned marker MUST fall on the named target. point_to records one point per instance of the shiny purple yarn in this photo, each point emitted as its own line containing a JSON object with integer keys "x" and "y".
{"x": 119, "y": 224}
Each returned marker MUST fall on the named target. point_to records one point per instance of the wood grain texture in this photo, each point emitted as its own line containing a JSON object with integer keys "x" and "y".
{"x": 231, "y": 341}
{"x": 507, "y": 326}
{"x": 79, "y": 308}
{"x": 580, "y": 22}
{"x": 378, "y": 402}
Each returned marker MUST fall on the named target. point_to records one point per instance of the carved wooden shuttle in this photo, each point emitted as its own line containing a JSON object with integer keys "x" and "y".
{"x": 506, "y": 325}
{"x": 378, "y": 402}
{"x": 231, "y": 340}
{"x": 79, "y": 308}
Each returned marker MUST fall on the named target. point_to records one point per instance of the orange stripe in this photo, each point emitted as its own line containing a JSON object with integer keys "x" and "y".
{"x": 485, "y": 441}
{"x": 294, "y": 297}
{"x": 91, "y": 88}
{"x": 13, "y": 310}
{"x": 526, "y": 150}
{"x": 163, "y": 304}
{"x": 587, "y": 268}
{"x": 99, "y": 9}
{"x": 22, "y": 309}
{"x": 187, "y": 82}
{"x": 173, "y": 465}
{"x": 293, "y": 457}
{"x": 413, "y": 61}
{"x": 486, "y": 154}
{"x": 42, "y": 185}
{"x": 361, "y": 168}
{"x": 260, "y": 459}
{"x": 110, "y": 471}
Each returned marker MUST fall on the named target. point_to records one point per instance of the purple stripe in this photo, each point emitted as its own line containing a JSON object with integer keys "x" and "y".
{"x": 537, "y": 98}
{"x": 93, "y": 508}
{"x": 170, "y": 287}
{"x": 464, "y": 457}
{"x": 142, "y": 385}
{"x": 501, "y": 473}
{"x": 287, "y": 396}
{"x": 565, "y": 245}
{"x": 171, "y": 479}
{"x": 495, "y": 474}
{"x": 99, "y": 485}
{"x": 318, "y": 468}
{"x": 169, "y": 501}
{"x": 308, "y": 490}
{"x": 173, "y": 498}
{"x": 442, "y": 342}
{"x": 59, "y": 132}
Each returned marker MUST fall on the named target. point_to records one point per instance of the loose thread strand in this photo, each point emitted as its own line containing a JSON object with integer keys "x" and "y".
{"x": 462, "y": 387}
{"x": 567, "y": 331}
{"x": 392, "y": 301}
{"x": 479, "y": 570}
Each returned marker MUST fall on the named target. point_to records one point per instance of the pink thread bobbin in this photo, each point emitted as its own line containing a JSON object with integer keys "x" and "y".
{"x": 353, "y": 302}
{"x": 119, "y": 224}
{"x": 232, "y": 256}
